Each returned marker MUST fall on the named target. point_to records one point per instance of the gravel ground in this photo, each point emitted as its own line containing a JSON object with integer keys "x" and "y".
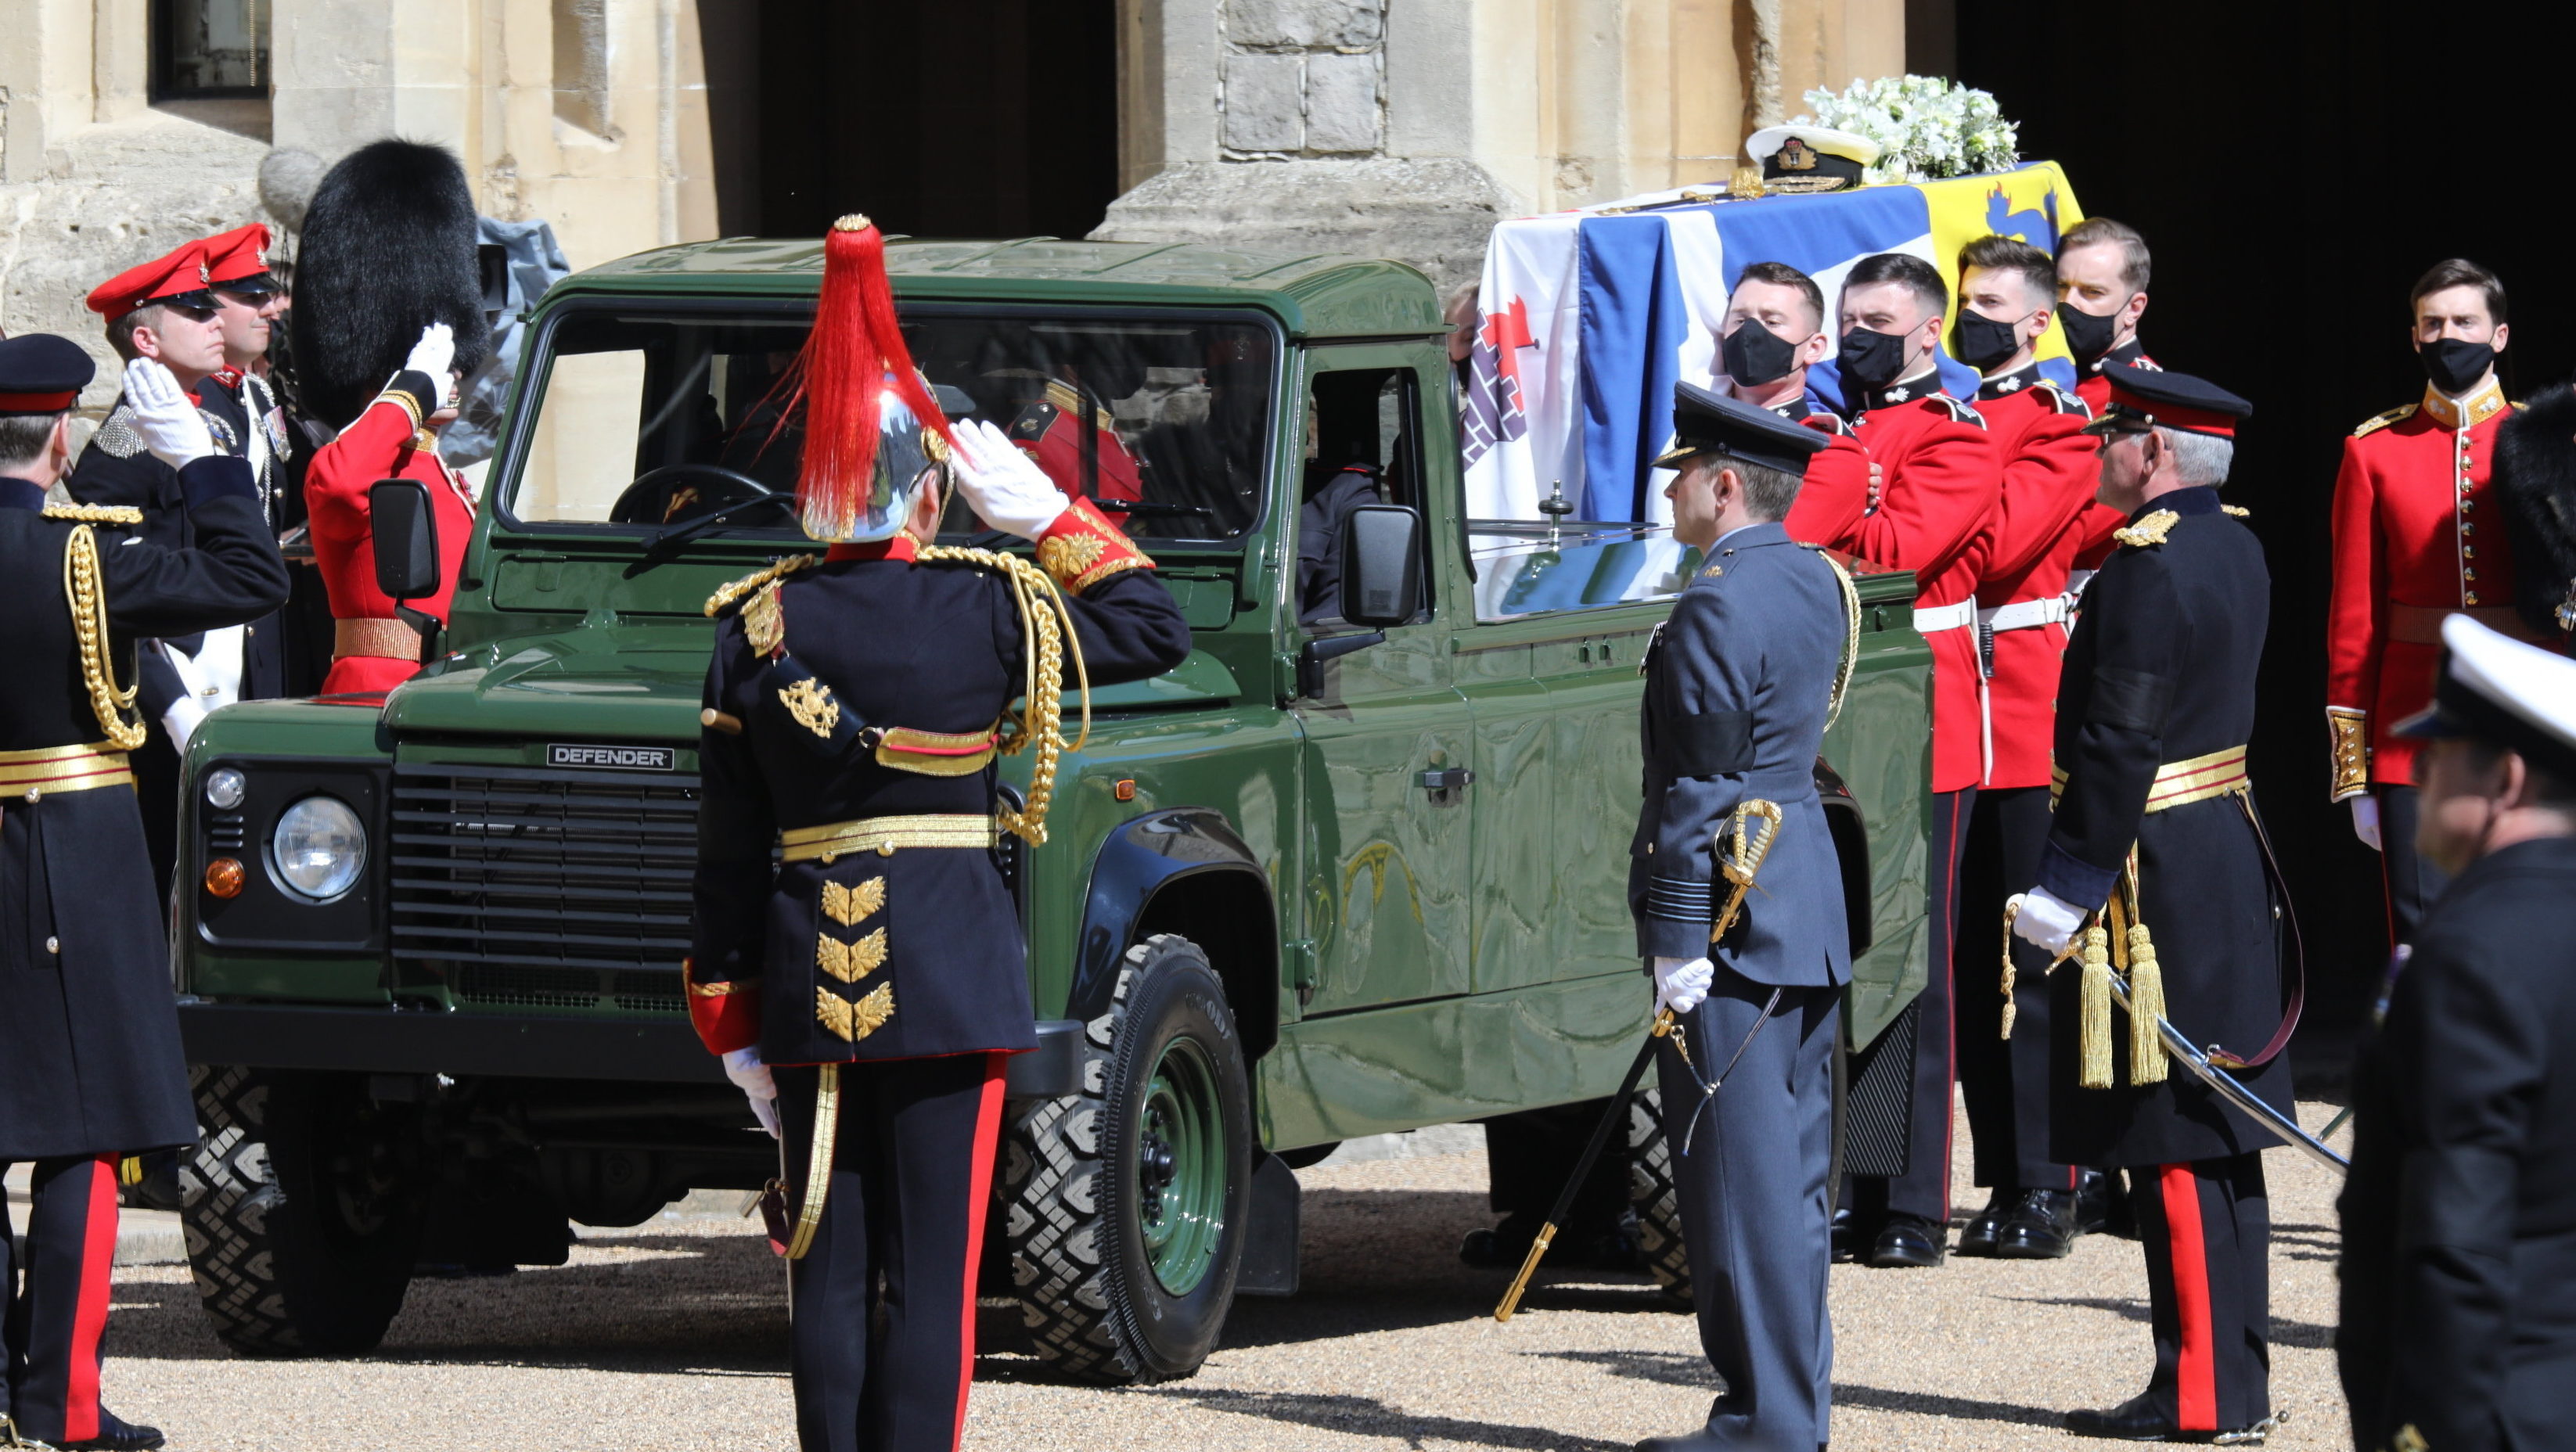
{"x": 673, "y": 1336}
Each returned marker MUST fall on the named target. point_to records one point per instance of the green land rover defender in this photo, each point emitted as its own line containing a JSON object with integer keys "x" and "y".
{"x": 1348, "y": 869}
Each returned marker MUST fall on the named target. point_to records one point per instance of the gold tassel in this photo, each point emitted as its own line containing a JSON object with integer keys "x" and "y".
{"x": 2012, "y": 910}
{"x": 2093, "y": 1069}
{"x": 2146, "y": 1005}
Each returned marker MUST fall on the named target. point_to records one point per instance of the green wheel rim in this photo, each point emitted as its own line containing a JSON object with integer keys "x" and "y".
{"x": 1181, "y": 1167}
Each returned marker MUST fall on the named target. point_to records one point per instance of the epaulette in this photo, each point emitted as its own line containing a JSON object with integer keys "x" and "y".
{"x": 1961, "y": 411}
{"x": 95, "y": 513}
{"x": 2236, "y": 511}
{"x": 2147, "y": 531}
{"x": 729, "y": 594}
{"x": 2376, "y": 422}
{"x": 118, "y": 436}
{"x": 2064, "y": 400}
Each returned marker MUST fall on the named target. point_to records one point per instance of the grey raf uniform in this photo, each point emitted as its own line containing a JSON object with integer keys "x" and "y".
{"x": 1738, "y": 685}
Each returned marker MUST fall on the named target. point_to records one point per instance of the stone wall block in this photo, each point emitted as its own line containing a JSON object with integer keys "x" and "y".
{"x": 1341, "y": 103}
{"x": 1305, "y": 24}
{"x": 1263, "y": 102}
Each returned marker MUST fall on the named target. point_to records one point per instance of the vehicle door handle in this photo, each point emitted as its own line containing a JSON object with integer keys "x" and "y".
{"x": 1446, "y": 779}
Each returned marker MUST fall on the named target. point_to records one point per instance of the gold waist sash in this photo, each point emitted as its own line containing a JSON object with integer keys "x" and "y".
{"x": 883, "y": 835}
{"x": 62, "y": 769}
{"x": 2181, "y": 783}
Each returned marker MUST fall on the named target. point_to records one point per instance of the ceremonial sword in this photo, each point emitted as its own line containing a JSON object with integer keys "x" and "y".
{"x": 1739, "y": 867}
{"x": 2197, "y": 1060}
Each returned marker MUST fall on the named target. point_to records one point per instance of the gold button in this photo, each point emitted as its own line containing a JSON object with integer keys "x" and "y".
{"x": 2468, "y": 574}
{"x": 54, "y": 945}
{"x": 35, "y": 793}
{"x": 2470, "y": 598}
{"x": 2468, "y": 552}
{"x": 2468, "y": 529}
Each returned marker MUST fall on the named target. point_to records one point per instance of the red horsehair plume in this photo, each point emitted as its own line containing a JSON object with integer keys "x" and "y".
{"x": 855, "y": 353}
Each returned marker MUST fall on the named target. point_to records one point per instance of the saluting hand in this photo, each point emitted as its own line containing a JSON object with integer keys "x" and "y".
{"x": 165, "y": 415}
{"x": 1005, "y": 487}
{"x": 434, "y": 354}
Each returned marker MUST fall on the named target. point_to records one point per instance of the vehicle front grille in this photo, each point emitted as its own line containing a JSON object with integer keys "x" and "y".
{"x": 545, "y": 889}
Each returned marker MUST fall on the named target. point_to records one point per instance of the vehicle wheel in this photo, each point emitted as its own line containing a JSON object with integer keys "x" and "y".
{"x": 300, "y": 1217}
{"x": 1655, "y": 1198}
{"x": 1125, "y": 1205}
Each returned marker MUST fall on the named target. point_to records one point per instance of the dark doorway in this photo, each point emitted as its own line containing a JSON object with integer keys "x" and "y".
{"x": 968, "y": 118}
{"x": 2295, "y": 167}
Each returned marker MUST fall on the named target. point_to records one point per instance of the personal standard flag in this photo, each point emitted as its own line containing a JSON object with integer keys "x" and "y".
{"x": 1591, "y": 317}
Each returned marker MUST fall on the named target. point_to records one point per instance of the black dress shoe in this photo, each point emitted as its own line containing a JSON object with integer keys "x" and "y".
{"x": 2040, "y": 1227}
{"x": 114, "y": 1435}
{"x": 1687, "y": 1442}
{"x": 1977, "y": 1237}
{"x": 1909, "y": 1241}
{"x": 2139, "y": 1420}
{"x": 2102, "y": 1204}
{"x": 1844, "y": 1238}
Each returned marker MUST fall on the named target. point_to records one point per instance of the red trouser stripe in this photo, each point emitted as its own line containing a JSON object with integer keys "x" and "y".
{"x": 2196, "y": 1375}
{"x": 89, "y": 1304}
{"x": 988, "y": 1134}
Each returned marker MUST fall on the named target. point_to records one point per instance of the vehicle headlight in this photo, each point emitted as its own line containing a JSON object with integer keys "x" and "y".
{"x": 320, "y": 847}
{"x": 224, "y": 788}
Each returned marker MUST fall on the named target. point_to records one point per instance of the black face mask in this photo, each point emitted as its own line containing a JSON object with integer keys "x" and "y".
{"x": 1754, "y": 355}
{"x": 1872, "y": 360}
{"x": 1981, "y": 342}
{"x": 2455, "y": 365}
{"x": 2088, "y": 335}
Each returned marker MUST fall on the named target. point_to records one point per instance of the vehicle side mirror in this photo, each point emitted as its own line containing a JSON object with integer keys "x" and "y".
{"x": 1381, "y": 565}
{"x": 406, "y": 535}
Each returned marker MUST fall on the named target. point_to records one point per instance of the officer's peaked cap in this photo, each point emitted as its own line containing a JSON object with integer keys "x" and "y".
{"x": 2497, "y": 689}
{"x": 2144, "y": 396}
{"x": 1706, "y": 422}
{"x": 41, "y": 373}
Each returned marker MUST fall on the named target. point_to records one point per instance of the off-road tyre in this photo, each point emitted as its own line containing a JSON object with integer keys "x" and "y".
{"x": 1075, "y": 1214}
{"x": 1656, "y": 1199}
{"x": 300, "y": 1222}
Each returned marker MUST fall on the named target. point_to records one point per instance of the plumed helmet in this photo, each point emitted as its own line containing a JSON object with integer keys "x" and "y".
{"x": 875, "y": 437}
{"x": 2535, "y": 480}
{"x": 388, "y": 247}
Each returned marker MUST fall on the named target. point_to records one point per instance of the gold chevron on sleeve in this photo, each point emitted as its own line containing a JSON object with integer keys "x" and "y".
{"x": 849, "y": 905}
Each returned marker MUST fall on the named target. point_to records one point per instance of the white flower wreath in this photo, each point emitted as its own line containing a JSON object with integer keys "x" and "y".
{"x": 1930, "y": 127}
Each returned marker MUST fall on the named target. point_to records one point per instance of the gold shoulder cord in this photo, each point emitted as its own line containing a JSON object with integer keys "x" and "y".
{"x": 88, "y": 602}
{"x": 1046, "y": 625}
{"x": 1851, "y": 642}
{"x": 733, "y": 590}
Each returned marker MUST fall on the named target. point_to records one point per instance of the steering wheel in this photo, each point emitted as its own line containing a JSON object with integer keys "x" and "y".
{"x": 676, "y": 492}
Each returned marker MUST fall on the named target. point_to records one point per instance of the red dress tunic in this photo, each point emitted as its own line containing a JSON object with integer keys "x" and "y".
{"x": 385, "y": 442}
{"x": 2051, "y": 473}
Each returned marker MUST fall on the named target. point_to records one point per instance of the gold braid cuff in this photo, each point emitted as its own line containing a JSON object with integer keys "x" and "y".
{"x": 2348, "y": 744}
{"x": 88, "y": 600}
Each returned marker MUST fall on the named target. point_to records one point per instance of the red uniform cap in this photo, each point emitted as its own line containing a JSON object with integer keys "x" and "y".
{"x": 237, "y": 261}
{"x": 179, "y": 277}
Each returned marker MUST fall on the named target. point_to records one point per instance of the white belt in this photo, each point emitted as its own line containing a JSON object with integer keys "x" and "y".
{"x": 2076, "y": 580}
{"x": 2028, "y": 614}
{"x": 1930, "y": 619}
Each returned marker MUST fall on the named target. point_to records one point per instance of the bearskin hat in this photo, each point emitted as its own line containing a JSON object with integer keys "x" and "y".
{"x": 2535, "y": 478}
{"x": 388, "y": 247}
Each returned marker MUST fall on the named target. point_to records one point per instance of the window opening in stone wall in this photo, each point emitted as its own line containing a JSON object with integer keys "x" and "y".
{"x": 581, "y": 65}
{"x": 207, "y": 49}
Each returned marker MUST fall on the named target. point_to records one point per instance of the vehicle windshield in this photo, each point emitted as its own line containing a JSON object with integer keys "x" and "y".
{"x": 645, "y": 417}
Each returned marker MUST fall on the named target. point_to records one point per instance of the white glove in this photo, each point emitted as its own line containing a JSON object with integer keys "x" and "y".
{"x": 435, "y": 355}
{"x": 751, "y": 1076}
{"x": 2365, "y": 821}
{"x": 2044, "y": 918}
{"x": 1005, "y": 487}
{"x": 165, "y": 415}
{"x": 1682, "y": 984}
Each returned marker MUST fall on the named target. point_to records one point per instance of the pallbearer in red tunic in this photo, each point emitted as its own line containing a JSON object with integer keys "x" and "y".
{"x": 2007, "y": 289}
{"x": 866, "y": 992}
{"x": 1940, "y": 482}
{"x": 1085, "y": 462}
{"x": 2418, "y": 534}
{"x": 2103, "y": 268}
